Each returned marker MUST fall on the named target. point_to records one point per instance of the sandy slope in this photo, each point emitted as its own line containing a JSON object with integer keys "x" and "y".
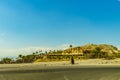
{"x": 89, "y": 62}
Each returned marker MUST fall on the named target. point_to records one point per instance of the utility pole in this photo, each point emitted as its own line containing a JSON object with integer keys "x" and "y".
{"x": 72, "y": 57}
{"x": 72, "y": 60}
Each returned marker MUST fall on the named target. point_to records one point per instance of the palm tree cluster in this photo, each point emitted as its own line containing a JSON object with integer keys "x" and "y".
{"x": 23, "y": 58}
{"x": 30, "y": 57}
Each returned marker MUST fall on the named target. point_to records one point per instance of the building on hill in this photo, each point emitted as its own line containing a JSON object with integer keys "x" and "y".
{"x": 76, "y": 52}
{"x": 73, "y": 51}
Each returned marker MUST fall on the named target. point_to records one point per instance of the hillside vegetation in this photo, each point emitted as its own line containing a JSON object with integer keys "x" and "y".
{"x": 100, "y": 51}
{"x": 89, "y": 51}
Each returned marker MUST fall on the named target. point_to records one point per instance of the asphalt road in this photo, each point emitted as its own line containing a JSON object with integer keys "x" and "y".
{"x": 60, "y": 73}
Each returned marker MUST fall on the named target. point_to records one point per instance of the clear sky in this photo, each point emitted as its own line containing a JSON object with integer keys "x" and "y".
{"x": 38, "y": 24}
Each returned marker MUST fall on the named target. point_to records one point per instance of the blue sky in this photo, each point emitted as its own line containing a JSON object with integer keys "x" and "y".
{"x": 47, "y": 24}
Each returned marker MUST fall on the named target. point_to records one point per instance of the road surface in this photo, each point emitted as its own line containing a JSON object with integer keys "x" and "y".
{"x": 60, "y": 73}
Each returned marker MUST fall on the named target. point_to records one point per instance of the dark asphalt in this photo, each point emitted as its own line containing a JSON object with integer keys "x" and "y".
{"x": 58, "y": 73}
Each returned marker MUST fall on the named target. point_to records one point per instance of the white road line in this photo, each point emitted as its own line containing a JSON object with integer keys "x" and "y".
{"x": 66, "y": 78}
{"x": 2, "y": 77}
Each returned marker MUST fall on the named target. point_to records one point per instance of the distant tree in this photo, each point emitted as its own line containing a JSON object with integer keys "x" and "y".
{"x": 70, "y": 46}
{"x": 19, "y": 59}
{"x": 20, "y": 55}
{"x": 36, "y": 52}
{"x": 54, "y": 51}
{"x": 86, "y": 53}
{"x": 95, "y": 53}
{"x": 6, "y": 60}
{"x": 33, "y": 53}
{"x": 40, "y": 51}
{"x": 103, "y": 54}
{"x": 46, "y": 52}
{"x": 23, "y": 59}
{"x": 50, "y": 51}
{"x": 70, "y": 49}
{"x": 59, "y": 51}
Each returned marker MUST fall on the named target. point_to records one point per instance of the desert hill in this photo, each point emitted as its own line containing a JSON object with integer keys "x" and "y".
{"x": 94, "y": 51}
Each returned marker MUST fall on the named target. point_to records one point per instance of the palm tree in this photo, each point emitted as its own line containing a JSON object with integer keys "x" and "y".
{"x": 54, "y": 51}
{"x": 50, "y": 51}
{"x": 33, "y": 53}
{"x": 71, "y": 48}
{"x": 36, "y": 52}
{"x": 23, "y": 59}
{"x": 72, "y": 57}
{"x": 20, "y": 55}
{"x": 46, "y": 52}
